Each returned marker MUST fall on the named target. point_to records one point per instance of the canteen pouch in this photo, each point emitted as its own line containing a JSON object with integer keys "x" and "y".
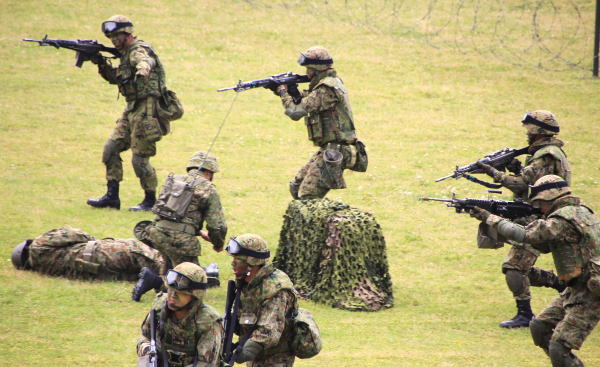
{"x": 170, "y": 107}
{"x": 306, "y": 340}
{"x": 332, "y": 168}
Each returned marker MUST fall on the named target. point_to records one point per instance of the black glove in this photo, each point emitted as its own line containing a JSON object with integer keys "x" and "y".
{"x": 273, "y": 88}
{"x": 514, "y": 166}
{"x": 486, "y": 168}
{"x": 97, "y": 59}
{"x": 293, "y": 91}
{"x": 480, "y": 214}
{"x": 250, "y": 351}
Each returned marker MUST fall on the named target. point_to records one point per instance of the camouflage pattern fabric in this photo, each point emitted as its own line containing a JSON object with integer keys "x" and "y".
{"x": 335, "y": 255}
{"x": 177, "y": 247}
{"x": 199, "y": 334}
{"x": 264, "y": 304}
{"x": 72, "y": 253}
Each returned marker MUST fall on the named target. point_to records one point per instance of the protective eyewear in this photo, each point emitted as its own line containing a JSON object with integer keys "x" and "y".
{"x": 303, "y": 60}
{"x": 234, "y": 248}
{"x": 110, "y": 26}
{"x": 528, "y": 119}
{"x": 183, "y": 283}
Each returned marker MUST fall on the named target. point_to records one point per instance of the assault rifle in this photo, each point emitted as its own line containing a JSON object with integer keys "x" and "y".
{"x": 85, "y": 49}
{"x": 271, "y": 82}
{"x": 506, "y": 209}
{"x": 500, "y": 160}
{"x": 153, "y": 354}
{"x": 230, "y": 322}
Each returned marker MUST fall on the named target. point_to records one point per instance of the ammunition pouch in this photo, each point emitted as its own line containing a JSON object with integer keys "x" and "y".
{"x": 593, "y": 282}
{"x": 360, "y": 158}
{"x": 488, "y": 238}
{"x": 150, "y": 126}
{"x": 169, "y": 107}
{"x": 333, "y": 168}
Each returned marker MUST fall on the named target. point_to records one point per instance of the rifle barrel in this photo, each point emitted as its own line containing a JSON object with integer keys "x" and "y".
{"x": 435, "y": 199}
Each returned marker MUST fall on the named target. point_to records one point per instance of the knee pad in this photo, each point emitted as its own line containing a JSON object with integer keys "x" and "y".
{"x": 141, "y": 165}
{"x": 541, "y": 332}
{"x": 517, "y": 282}
{"x": 111, "y": 150}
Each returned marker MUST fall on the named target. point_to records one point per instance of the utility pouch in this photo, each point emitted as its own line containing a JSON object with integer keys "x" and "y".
{"x": 362, "y": 160}
{"x": 151, "y": 129}
{"x": 86, "y": 266}
{"x": 174, "y": 199}
{"x": 593, "y": 282}
{"x": 332, "y": 168}
{"x": 314, "y": 127}
{"x": 170, "y": 107}
{"x": 306, "y": 340}
{"x": 488, "y": 238}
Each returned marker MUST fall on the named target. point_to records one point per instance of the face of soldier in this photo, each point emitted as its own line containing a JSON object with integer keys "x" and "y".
{"x": 543, "y": 205}
{"x": 310, "y": 72}
{"x": 120, "y": 40}
{"x": 240, "y": 268}
{"x": 177, "y": 300}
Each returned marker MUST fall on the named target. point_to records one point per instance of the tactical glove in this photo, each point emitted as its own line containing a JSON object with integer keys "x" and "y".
{"x": 487, "y": 169}
{"x": 294, "y": 93}
{"x": 249, "y": 352}
{"x": 480, "y": 214}
{"x": 273, "y": 87}
{"x": 514, "y": 166}
{"x": 97, "y": 59}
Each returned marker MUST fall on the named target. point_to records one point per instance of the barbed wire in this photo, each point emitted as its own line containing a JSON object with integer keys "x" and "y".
{"x": 551, "y": 35}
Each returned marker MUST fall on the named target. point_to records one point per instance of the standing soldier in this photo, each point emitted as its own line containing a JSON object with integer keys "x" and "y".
{"x": 571, "y": 233}
{"x": 546, "y": 158}
{"x": 328, "y": 117}
{"x": 184, "y": 204}
{"x": 188, "y": 332}
{"x": 267, "y": 297}
{"x": 150, "y": 106}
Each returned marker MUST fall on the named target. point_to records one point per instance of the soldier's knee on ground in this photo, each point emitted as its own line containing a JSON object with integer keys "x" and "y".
{"x": 541, "y": 332}
{"x": 560, "y": 355}
{"x": 111, "y": 151}
{"x": 518, "y": 283}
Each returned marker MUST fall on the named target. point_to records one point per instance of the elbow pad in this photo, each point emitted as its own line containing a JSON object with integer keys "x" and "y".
{"x": 511, "y": 231}
{"x": 296, "y": 113}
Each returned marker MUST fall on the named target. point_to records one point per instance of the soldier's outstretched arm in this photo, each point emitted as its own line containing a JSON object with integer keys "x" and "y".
{"x": 143, "y": 61}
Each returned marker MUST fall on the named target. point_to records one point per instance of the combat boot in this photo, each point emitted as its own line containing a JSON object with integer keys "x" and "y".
{"x": 522, "y": 318}
{"x": 146, "y": 204}
{"x": 212, "y": 273}
{"x": 147, "y": 280}
{"x": 110, "y": 199}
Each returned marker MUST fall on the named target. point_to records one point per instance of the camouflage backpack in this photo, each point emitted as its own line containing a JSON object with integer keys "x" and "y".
{"x": 306, "y": 340}
{"x": 175, "y": 197}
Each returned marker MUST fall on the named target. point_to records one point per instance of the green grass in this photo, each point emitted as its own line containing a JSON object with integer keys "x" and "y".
{"x": 423, "y": 103}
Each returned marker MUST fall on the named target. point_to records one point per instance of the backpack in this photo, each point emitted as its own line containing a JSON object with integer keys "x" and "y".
{"x": 175, "y": 197}
{"x": 306, "y": 340}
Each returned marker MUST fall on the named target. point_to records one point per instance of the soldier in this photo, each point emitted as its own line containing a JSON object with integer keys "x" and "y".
{"x": 571, "y": 233}
{"x": 546, "y": 157}
{"x": 267, "y": 297}
{"x": 189, "y": 332}
{"x": 330, "y": 125}
{"x": 70, "y": 252}
{"x": 150, "y": 106}
{"x": 185, "y": 202}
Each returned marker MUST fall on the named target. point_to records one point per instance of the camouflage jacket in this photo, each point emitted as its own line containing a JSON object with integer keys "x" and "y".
{"x": 265, "y": 304}
{"x": 139, "y": 56}
{"x": 197, "y": 335}
{"x": 326, "y": 108}
{"x": 71, "y": 252}
{"x": 205, "y": 207}
{"x": 546, "y": 158}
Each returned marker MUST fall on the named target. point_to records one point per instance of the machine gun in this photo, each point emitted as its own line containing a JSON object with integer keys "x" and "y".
{"x": 230, "y": 322}
{"x": 271, "y": 82}
{"x": 85, "y": 49}
{"x": 500, "y": 160}
{"x": 506, "y": 209}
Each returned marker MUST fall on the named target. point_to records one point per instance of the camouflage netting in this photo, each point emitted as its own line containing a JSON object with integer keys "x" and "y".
{"x": 335, "y": 255}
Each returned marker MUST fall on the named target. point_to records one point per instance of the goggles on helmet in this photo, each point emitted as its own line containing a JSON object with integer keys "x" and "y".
{"x": 528, "y": 119}
{"x": 303, "y": 60}
{"x": 547, "y": 186}
{"x": 111, "y": 26}
{"x": 183, "y": 283}
{"x": 234, "y": 248}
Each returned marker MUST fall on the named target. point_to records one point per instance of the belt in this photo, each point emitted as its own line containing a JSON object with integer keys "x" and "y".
{"x": 180, "y": 227}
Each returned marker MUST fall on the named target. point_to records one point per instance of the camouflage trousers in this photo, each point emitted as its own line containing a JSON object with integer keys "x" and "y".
{"x": 573, "y": 315}
{"x": 316, "y": 178}
{"x": 177, "y": 247}
{"x": 139, "y": 130}
{"x": 521, "y": 258}
{"x": 277, "y": 360}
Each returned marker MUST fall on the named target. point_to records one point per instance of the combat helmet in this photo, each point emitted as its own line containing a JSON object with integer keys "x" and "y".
{"x": 548, "y": 188}
{"x": 316, "y": 57}
{"x": 540, "y": 122}
{"x": 20, "y": 254}
{"x": 249, "y": 247}
{"x": 117, "y": 24}
{"x": 188, "y": 278}
{"x": 202, "y": 160}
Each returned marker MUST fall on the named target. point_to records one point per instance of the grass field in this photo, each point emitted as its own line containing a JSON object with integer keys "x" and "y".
{"x": 420, "y": 107}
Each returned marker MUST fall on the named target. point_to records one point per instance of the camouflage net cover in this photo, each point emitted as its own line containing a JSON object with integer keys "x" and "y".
{"x": 335, "y": 255}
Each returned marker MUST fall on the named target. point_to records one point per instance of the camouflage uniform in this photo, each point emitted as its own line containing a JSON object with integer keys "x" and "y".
{"x": 177, "y": 240}
{"x": 328, "y": 117}
{"x": 70, "y": 252}
{"x": 195, "y": 338}
{"x": 140, "y": 126}
{"x": 264, "y": 304}
{"x": 572, "y": 234}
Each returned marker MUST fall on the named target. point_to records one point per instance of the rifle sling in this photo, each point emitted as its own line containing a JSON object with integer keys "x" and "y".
{"x": 481, "y": 182}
